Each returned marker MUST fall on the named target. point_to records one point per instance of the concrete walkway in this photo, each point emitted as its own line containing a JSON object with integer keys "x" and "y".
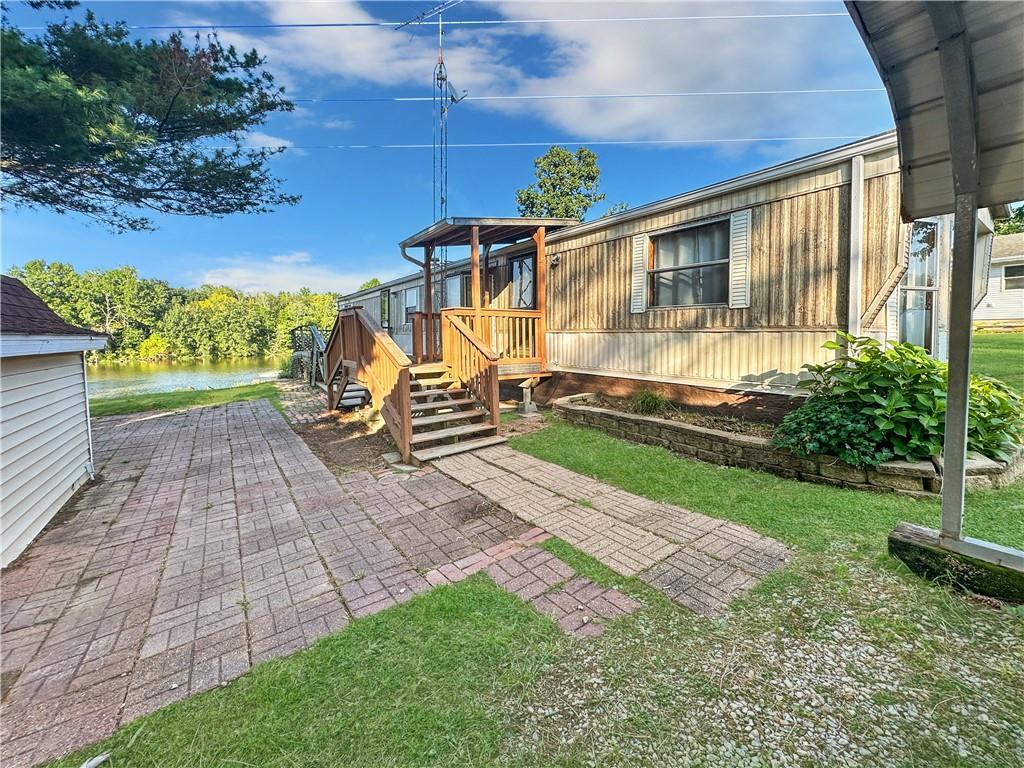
{"x": 700, "y": 562}
{"x": 215, "y": 539}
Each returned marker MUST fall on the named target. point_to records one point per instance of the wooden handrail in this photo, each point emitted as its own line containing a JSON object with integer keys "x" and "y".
{"x": 364, "y": 350}
{"x": 471, "y": 362}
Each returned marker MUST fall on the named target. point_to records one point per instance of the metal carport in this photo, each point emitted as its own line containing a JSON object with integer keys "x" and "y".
{"x": 954, "y": 72}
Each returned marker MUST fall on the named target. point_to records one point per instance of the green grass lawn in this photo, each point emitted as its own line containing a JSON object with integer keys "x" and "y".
{"x": 169, "y": 401}
{"x": 803, "y": 514}
{"x": 842, "y": 657}
{"x": 999, "y": 355}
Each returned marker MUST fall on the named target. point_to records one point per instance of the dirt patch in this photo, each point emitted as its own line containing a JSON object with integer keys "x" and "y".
{"x": 698, "y": 417}
{"x": 348, "y": 442}
{"x": 521, "y": 425}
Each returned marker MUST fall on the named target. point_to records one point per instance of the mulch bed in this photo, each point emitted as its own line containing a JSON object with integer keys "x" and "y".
{"x": 698, "y": 417}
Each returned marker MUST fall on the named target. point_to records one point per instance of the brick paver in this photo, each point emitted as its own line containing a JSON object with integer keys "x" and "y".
{"x": 214, "y": 540}
{"x": 301, "y": 403}
{"x": 699, "y": 561}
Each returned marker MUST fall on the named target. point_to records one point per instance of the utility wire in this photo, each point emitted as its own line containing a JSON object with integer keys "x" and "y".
{"x": 489, "y": 144}
{"x": 529, "y": 97}
{"x": 468, "y": 22}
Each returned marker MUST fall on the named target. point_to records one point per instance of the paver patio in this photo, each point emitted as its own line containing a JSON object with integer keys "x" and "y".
{"x": 216, "y": 540}
{"x": 700, "y": 562}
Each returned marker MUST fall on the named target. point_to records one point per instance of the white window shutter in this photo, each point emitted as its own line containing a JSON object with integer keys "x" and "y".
{"x": 739, "y": 260}
{"x": 638, "y": 297}
{"x": 892, "y": 317}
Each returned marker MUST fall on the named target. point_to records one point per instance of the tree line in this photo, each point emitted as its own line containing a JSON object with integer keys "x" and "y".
{"x": 148, "y": 319}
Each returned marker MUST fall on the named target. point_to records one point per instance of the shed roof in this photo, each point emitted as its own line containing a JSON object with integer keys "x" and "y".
{"x": 903, "y": 39}
{"x": 21, "y": 311}
{"x": 493, "y": 231}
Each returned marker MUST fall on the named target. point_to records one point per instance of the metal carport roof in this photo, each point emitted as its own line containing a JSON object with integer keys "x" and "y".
{"x": 954, "y": 72}
{"x": 903, "y": 39}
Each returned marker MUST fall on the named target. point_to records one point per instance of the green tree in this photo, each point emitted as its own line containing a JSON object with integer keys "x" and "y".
{"x": 373, "y": 282}
{"x": 566, "y": 185}
{"x": 56, "y": 283}
{"x": 1013, "y": 224}
{"x": 96, "y": 124}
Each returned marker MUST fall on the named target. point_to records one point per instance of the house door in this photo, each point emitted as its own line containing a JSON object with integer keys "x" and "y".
{"x": 919, "y": 288}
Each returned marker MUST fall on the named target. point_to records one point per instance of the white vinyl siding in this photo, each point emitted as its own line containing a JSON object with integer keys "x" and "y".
{"x": 1002, "y": 301}
{"x": 44, "y": 443}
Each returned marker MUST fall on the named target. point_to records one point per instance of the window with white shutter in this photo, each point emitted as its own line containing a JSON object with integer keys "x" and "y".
{"x": 638, "y": 291}
{"x": 739, "y": 260}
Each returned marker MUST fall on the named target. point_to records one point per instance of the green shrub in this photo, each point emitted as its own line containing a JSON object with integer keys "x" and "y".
{"x": 901, "y": 391}
{"x": 825, "y": 426}
{"x": 648, "y": 403}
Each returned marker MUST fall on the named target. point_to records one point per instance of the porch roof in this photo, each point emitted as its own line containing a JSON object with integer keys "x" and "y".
{"x": 493, "y": 231}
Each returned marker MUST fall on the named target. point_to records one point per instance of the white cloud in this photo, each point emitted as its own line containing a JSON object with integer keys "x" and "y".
{"x": 259, "y": 139}
{"x": 338, "y": 124}
{"x": 626, "y": 57}
{"x": 286, "y": 272}
{"x": 295, "y": 257}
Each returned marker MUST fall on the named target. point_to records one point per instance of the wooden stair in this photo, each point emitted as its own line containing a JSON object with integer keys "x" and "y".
{"x": 446, "y": 418}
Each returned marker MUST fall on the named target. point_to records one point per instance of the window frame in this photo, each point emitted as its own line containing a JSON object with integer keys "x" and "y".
{"x": 652, "y": 273}
{"x": 1014, "y": 277}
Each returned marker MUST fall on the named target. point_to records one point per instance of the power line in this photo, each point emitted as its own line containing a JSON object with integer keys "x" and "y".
{"x": 542, "y": 97}
{"x": 495, "y": 144}
{"x": 468, "y": 22}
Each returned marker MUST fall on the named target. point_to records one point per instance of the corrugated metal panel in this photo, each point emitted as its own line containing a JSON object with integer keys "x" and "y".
{"x": 706, "y": 358}
{"x": 904, "y": 44}
{"x": 44, "y": 443}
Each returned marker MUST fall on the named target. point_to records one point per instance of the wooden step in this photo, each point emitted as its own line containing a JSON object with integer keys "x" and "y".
{"x": 432, "y": 383}
{"x": 439, "y": 451}
{"x": 441, "y": 418}
{"x": 444, "y": 434}
{"x": 423, "y": 393}
{"x": 436, "y": 404}
{"x": 428, "y": 368}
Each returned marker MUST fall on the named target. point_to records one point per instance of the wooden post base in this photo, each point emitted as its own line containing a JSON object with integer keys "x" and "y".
{"x": 919, "y": 549}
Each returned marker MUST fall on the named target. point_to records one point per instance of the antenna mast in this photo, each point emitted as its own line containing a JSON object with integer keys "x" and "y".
{"x": 444, "y": 97}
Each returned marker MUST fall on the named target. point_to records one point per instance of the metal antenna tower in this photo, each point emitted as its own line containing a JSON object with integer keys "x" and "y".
{"x": 444, "y": 97}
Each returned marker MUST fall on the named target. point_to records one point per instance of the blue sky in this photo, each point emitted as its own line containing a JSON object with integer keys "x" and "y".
{"x": 358, "y": 203}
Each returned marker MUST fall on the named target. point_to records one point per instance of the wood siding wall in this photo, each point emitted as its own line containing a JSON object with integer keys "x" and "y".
{"x": 798, "y": 275}
{"x": 44, "y": 447}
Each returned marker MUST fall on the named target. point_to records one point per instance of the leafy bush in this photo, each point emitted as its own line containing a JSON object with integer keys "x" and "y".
{"x": 648, "y": 403}
{"x": 825, "y": 426}
{"x": 901, "y": 391}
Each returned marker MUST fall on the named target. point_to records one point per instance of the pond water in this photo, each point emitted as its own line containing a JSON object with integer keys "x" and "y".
{"x": 115, "y": 380}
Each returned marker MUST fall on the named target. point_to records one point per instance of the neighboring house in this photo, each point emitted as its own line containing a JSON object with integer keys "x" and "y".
{"x": 45, "y": 438}
{"x": 725, "y": 291}
{"x": 1003, "y": 303}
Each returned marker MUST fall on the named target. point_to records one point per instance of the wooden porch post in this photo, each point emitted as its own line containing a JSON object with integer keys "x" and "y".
{"x": 428, "y": 299}
{"x": 474, "y": 266}
{"x": 541, "y": 269}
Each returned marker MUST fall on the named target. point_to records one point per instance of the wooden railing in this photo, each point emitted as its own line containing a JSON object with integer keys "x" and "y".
{"x": 360, "y": 349}
{"x": 514, "y": 334}
{"x": 471, "y": 362}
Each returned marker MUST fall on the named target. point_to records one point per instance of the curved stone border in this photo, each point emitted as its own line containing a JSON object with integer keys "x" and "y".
{"x": 920, "y": 479}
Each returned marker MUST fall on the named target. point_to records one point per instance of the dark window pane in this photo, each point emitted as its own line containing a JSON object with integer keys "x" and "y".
{"x": 916, "y": 317}
{"x": 1013, "y": 277}
{"x": 696, "y": 285}
{"x": 697, "y": 245}
{"x": 522, "y": 283}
